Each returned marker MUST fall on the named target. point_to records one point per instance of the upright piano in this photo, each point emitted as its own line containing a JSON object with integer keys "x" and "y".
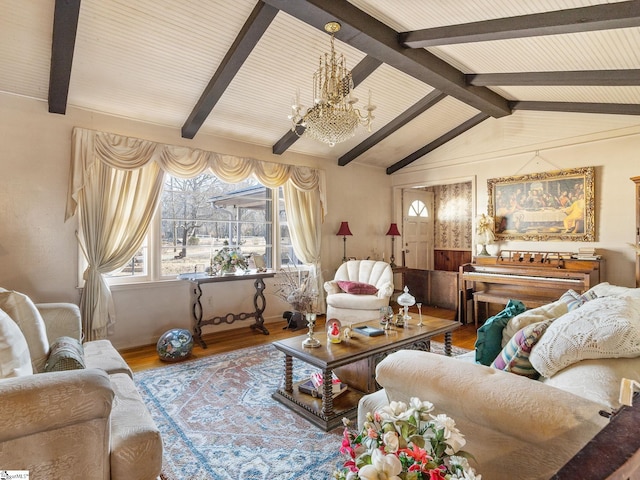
{"x": 534, "y": 278}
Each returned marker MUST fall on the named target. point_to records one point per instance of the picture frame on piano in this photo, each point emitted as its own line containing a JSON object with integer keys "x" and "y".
{"x": 556, "y": 205}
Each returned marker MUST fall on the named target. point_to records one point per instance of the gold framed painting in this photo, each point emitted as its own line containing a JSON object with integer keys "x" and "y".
{"x": 558, "y": 205}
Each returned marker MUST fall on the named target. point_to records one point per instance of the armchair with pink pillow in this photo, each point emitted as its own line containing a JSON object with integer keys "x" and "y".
{"x": 358, "y": 290}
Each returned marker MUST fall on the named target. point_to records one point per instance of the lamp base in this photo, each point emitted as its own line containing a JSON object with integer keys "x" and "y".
{"x": 484, "y": 252}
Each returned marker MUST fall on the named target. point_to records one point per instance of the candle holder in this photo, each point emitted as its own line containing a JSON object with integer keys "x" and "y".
{"x": 311, "y": 341}
{"x": 406, "y": 300}
{"x": 419, "y": 305}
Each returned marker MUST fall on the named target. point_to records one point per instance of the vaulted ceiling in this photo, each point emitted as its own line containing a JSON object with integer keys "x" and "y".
{"x": 435, "y": 68}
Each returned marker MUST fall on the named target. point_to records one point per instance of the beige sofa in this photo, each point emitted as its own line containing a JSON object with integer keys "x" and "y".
{"x": 515, "y": 426}
{"x": 84, "y": 424}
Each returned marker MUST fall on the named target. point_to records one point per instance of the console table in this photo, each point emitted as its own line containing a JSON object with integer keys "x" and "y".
{"x": 259, "y": 302}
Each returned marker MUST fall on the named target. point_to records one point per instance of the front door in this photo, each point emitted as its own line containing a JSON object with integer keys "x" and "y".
{"x": 418, "y": 228}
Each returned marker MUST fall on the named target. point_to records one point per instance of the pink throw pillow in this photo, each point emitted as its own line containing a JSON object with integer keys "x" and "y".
{"x": 357, "y": 288}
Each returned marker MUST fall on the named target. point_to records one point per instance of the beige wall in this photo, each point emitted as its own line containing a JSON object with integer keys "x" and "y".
{"x": 508, "y": 146}
{"x": 38, "y": 250}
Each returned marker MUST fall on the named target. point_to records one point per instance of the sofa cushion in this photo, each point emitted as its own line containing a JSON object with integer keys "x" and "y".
{"x": 573, "y": 299}
{"x": 597, "y": 380}
{"x": 514, "y": 357}
{"x": 607, "y": 327}
{"x": 102, "y": 354}
{"x": 15, "y": 360}
{"x": 535, "y": 315}
{"x": 489, "y": 341}
{"x": 66, "y": 354}
{"x": 357, "y": 288}
{"x": 23, "y": 311}
{"x": 605, "y": 289}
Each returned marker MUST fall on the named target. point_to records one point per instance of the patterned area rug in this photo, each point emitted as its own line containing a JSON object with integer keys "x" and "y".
{"x": 219, "y": 422}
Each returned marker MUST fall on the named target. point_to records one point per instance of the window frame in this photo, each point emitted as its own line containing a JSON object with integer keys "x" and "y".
{"x": 153, "y": 250}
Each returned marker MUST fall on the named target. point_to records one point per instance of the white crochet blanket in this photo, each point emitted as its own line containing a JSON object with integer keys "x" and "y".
{"x": 607, "y": 327}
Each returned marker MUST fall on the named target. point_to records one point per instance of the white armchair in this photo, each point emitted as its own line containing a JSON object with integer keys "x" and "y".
{"x": 351, "y": 308}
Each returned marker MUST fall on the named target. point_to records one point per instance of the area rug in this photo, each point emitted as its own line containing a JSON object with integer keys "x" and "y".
{"x": 219, "y": 422}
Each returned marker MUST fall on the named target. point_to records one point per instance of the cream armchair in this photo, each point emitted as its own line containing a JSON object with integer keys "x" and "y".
{"x": 353, "y": 308}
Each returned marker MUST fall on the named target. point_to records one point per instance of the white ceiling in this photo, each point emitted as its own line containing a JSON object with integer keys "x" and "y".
{"x": 151, "y": 60}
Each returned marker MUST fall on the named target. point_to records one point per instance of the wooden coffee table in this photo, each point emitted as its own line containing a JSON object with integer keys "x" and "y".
{"x": 354, "y": 361}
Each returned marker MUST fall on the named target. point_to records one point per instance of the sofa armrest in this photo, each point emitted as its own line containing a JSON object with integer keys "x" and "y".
{"x": 331, "y": 287}
{"x": 514, "y": 405}
{"x": 48, "y": 401}
{"x": 385, "y": 290}
{"x": 61, "y": 319}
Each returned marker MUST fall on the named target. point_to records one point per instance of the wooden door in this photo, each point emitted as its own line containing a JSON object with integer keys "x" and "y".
{"x": 418, "y": 228}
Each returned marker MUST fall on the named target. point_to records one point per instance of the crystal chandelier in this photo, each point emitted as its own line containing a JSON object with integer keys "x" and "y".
{"x": 333, "y": 117}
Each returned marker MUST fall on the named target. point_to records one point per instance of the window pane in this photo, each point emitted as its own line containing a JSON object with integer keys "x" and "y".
{"x": 204, "y": 214}
{"x": 287, "y": 255}
{"x": 136, "y": 267}
{"x": 418, "y": 209}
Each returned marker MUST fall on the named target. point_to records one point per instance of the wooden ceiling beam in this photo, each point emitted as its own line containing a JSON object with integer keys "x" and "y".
{"x": 607, "y": 78}
{"x": 574, "y": 107}
{"x": 598, "y": 17}
{"x": 450, "y": 135}
{"x": 374, "y": 38}
{"x": 252, "y": 31}
{"x": 412, "y": 112}
{"x": 65, "y": 27}
{"x": 362, "y": 70}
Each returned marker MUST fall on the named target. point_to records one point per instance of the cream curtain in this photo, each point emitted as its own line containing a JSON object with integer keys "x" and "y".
{"x": 304, "y": 216}
{"x": 116, "y": 182}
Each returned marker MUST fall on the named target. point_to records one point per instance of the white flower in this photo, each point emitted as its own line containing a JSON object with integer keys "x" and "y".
{"x": 421, "y": 408}
{"x": 461, "y": 469}
{"x": 391, "y": 442}
{"x": 383, "y": 467}
{"x": 452, "y": 436}
{"x": 396, "y": 411}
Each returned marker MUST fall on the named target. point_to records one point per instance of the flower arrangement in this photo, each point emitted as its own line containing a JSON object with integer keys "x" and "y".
{"x": 228, "y": 259}
{"x": 403, "y": 442}
{"x": 299, "y": 290}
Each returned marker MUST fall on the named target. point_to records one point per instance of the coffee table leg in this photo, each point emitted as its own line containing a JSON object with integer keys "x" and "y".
{"x": 327, "y": 398}
{"x": 447, "y": 344}
{"x": 288, "y": 373}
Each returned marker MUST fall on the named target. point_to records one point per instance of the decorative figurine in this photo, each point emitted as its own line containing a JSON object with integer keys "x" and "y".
{"x": 333, "y": 331}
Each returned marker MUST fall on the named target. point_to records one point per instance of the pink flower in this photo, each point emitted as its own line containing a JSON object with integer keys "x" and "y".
{"x": 436, "y": 474}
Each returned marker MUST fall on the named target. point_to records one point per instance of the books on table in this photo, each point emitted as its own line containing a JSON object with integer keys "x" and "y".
{"x": 314, "y": 385}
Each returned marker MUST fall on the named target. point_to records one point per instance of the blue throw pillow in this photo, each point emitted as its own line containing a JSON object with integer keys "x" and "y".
{"x": 489, "y": 342}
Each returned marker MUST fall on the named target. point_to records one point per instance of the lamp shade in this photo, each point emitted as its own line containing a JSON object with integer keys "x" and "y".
{"x": 344, "y": 229}
{"x": 393, "y": 230}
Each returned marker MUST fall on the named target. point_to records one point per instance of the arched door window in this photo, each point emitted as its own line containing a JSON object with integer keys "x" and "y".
{"x": 418, "y": 209}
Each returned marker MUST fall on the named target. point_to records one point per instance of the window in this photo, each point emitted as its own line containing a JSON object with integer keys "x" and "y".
{"x": 199, "y": 216}
{"x": 418, "y": 209}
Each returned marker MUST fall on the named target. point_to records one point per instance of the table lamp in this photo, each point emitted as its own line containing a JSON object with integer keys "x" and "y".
{"x": 393, "y": 233}
{"x": 344, "y": 231}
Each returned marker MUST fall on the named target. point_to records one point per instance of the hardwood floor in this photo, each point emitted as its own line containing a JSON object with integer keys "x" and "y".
{"x": 146, "y": 357}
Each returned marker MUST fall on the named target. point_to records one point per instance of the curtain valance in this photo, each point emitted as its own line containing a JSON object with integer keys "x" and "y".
{"x": 130, "y": 153}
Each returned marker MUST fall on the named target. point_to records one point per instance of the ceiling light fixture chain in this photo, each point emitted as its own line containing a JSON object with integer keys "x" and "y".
{"x": 333, "y": 117}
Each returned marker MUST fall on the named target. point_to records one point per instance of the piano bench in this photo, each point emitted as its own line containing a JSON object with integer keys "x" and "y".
{"x": 502, "y": 298}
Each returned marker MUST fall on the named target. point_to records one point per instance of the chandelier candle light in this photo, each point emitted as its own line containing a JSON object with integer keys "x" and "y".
{"x": 393, "y": 232}
{"x": 333, "y": 117}
{"x": 344, "y": 231}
